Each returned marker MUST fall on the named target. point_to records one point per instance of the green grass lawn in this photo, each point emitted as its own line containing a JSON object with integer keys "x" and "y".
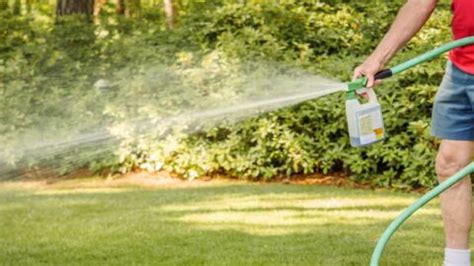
{"x": 224, "y": 223}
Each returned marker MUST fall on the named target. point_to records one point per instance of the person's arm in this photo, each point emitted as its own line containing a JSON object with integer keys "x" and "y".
{"x": 411, "y": 17}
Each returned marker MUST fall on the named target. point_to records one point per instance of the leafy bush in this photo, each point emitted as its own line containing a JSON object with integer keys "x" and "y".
{"x": 328, "y": 37}
{"x": 312, "y": 137}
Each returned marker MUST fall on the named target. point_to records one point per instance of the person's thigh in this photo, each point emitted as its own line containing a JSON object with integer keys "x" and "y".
{"x": 470, "y": 90}
{"x": 453, "y": 110}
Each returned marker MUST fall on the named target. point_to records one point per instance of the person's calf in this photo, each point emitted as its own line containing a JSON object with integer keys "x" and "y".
{"x": 456, "y": 211}
{"x": 456, "y": 201}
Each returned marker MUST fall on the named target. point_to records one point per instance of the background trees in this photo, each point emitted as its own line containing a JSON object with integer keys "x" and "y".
{"x": 170, "y": 13}
{"x": 68, "y": 7}
{"x": 94, "y": 7}
{"x": 120, "y": 7}
{"x": 3, "y": 4}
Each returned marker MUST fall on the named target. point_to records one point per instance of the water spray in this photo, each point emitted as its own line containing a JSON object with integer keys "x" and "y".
{"x": 366, "y": 127}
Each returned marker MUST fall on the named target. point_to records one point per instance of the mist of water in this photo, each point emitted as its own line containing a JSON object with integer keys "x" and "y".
{"x": 152, "y": 100}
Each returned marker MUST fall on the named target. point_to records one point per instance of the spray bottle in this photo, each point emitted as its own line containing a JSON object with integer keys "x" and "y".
{"x": 364, "y": 120}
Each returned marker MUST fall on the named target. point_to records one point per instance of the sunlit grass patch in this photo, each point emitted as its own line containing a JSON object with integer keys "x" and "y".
{"x": 223, "y": 224}
{"x": 289, "y": 213}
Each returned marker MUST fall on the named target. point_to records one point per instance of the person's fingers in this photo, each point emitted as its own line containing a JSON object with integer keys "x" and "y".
{"x": 357, "y": 73}
{"x": 370, "y": 81}
{"x": 367, "y": 71}
{"x": 377, "y": 82}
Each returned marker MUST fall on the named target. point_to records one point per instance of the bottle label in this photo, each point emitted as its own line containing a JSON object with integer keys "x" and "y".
{"x": 370, "y": 125}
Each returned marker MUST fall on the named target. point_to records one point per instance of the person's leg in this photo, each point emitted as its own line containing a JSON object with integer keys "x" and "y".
{"x": 456, "y": 201}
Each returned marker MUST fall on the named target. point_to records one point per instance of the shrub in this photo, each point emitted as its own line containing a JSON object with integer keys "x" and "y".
{"x": 327, "y": 37}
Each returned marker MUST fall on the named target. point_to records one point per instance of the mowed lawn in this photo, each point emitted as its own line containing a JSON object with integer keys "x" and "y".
{"x": 214, "y": 223}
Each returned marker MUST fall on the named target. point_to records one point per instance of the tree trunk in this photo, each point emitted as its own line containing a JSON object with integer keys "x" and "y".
{"x": 17, "y": 7}
{"x": 68, "y": 7}
{"x": 29, "y": 6}
{"x": 120, "y": 7}
{"x": 98, "y": 6}
{"x": 3, "y": 5}
{"x": 170, "y": 13}
{"x": 133, "y": 8}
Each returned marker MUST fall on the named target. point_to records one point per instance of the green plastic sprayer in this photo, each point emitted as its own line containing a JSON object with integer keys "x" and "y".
{"x": 366, "y": 127}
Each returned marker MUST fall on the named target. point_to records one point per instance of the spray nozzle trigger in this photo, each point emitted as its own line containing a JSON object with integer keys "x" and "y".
{"x": 354, "y": 86}
{"x": 357, "y": 84}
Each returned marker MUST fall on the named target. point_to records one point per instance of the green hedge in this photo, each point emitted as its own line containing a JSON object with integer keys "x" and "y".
{"x": 327, "y": 37}
{"x": 324, "y": 38}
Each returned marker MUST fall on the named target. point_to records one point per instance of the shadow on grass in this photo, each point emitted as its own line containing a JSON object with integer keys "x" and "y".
{"x": 234, "y": 224}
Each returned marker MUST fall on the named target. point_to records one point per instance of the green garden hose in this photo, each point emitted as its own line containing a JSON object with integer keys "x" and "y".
{"x": 413, "y": 208}
{"x": 360, "y": 83}
{"x": 386, "y": 73}
{"x": 431, "y": 54}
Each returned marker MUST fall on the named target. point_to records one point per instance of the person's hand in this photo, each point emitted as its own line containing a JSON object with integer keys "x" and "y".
{"x": 368, "y": 69}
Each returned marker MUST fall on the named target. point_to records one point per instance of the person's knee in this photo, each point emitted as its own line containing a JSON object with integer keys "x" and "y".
{"x": 449, "y": 163}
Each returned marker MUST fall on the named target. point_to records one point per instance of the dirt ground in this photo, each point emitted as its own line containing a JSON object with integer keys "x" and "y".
{"x": 166, "y": 180}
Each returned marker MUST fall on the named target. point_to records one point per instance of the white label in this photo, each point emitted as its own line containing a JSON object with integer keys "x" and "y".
{"x": 370, "y": 125}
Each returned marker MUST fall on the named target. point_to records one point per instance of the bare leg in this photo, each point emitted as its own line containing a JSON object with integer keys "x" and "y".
{"x": 456, "y": 201}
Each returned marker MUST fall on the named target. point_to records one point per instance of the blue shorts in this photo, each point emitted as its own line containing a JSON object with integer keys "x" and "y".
{"x": 453, "y": 110}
